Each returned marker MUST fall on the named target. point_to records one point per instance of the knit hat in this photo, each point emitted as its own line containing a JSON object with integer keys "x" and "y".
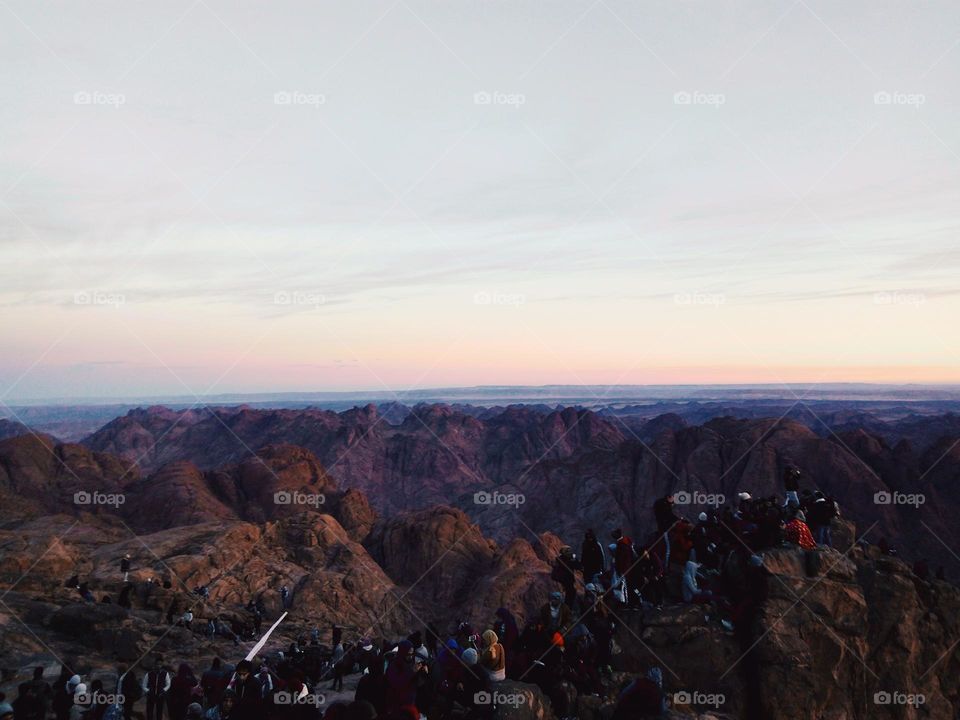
{"x": 702, "y": 517}
{"x": 194, "y": 711}
{"x": 5, "y": 709}
{"x": 743, "y": 495}
{"x": 469, "y": 656}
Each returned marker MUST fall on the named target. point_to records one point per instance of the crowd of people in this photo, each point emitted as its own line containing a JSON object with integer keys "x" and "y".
{"x": 566, "y": 648}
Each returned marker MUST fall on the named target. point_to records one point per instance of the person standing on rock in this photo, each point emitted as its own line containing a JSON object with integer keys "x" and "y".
{"x": 791, "y": 482}
{"x": 63, "y": 692}
{"x": 591, "y": 557}
{"x": 129, "y": 688}
{"x": 403, "y": 677}
{"x": 650, "y": 573}
{"x": 284, "y": 597}
{"x": 125, "y": 567}
{"x": 211, "y": 681}
{"x": 338, "y": 665}
{"x": 821, "y": 517}
{"x": 624, "y": 558}
{"x": 564, "y": 573}
{"x": 41, "y": 690}
{"x": 666, "y": 518}
{"x": 27, "y": 706}
{"x": 372, "y": 688}
{"x": 156, "y": 685}
{"x": 247, "y": 688}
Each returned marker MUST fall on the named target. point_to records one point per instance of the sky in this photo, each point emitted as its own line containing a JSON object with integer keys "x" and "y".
{"x": 203, "y": 196}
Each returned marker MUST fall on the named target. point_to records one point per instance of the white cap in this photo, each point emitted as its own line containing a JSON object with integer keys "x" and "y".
{"x": 702, "y": 517}
{"x": 744, "y": 496}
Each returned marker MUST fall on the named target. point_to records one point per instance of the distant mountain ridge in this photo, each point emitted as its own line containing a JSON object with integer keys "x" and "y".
{"x": 575, "y": 467}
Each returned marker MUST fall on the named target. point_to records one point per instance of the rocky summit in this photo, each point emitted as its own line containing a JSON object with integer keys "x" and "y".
{"x": 372, "y": 529}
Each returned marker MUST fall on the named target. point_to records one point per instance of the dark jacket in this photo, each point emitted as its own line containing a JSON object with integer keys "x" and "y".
{"x": 591, "y": 556}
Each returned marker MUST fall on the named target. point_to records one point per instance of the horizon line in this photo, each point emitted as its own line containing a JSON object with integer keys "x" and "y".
{"x": 440, "y": 392}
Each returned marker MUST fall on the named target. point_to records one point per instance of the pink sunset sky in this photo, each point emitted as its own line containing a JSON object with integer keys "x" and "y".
{"x": 218, "y": 197}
